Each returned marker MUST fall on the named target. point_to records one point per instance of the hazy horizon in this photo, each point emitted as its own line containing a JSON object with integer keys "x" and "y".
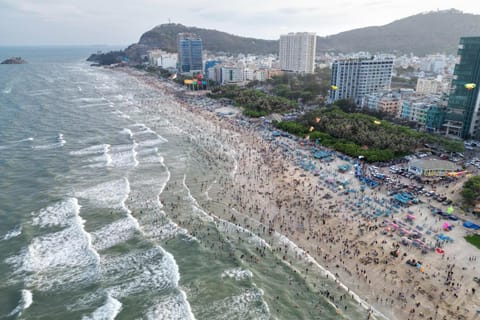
{"x": 80, "y": 23}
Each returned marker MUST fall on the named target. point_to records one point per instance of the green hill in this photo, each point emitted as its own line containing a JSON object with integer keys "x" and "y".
{"x": 420, "y": 34}
{"x": 164, "y": 37}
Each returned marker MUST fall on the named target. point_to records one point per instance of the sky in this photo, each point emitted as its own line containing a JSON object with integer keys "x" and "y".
{"x": 115, "y": 22}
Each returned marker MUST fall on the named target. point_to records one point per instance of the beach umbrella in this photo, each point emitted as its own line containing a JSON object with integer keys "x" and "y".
{"x": 450, "y": 210}
{"x": 334, "y": 88}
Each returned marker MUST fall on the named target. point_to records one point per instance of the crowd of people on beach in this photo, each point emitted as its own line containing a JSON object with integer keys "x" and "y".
{"x": 267, "y": 187}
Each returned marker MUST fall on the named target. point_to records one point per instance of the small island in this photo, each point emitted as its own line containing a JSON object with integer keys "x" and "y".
{"x": 14, "y": 60}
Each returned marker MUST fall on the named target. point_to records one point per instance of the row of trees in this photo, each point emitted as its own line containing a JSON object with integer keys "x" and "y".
{"x": 358, "y": 134}
{"x": 255, "y": 103}
{"x": 307, "y": 88}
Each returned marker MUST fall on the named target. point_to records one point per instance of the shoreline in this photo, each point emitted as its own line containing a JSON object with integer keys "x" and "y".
{"x": 266, "y": 179}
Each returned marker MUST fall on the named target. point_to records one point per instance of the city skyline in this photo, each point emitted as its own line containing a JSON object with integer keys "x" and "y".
{"x": 53, "y": 22}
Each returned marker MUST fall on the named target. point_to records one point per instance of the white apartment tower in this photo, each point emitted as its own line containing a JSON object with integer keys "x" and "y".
{"x": 297, "y": 52}
{"x": 356, "y": 77}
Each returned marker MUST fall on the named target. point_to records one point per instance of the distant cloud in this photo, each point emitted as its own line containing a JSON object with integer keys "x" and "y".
{"x": 120, "y": 21}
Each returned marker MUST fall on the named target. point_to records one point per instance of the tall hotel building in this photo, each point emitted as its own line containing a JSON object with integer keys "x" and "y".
{"x": 462, "y": 118}
{"x": 297, "y": 52}
{"x": 189, "y": 48}
{"x": 356, "y": 77}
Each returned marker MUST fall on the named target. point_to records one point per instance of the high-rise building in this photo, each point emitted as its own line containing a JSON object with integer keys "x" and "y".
{"x": 353, "y": 78}
{"x": 462, "y": 118}
{"x": 189, "y": 47}
{"x": 297, "y": 52}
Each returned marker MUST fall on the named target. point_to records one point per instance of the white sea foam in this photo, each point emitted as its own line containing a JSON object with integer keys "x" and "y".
{"x": 141, "y": 129}
{"x": 110, "y": 194}
{"x": 147, "y": 151}
{"x": 91, "y": 105}
{"x": 108, "y": 311}
{"x": 26, "y": 139}
{"x": 247, "y": 305}
{"x": 172, "y": 307}
{"x": 107, "y": 155}
{"x": 122, "y": 156}
{"x": 195, "y": 205}
{"x": 92, "y": 100}
{"x": 49, "y": 146}
{"x": 24, "y": 303}
{"x": 151, "y": 142}
{"x": 39, "y": 92}
{"x": 92, "y": 150}
{"x": 55, "y": 260}
{"x": 60, "y": 139}
{"x": 13, "y": 233}
{"x": 169, "y": 230}
{"x": 59, "y": 214}
{"x": 114, "y": 233}
{"x": 70, "y": 247}
{"x": 227, "y": 226}
{"x": 124, "y": 205}
{"x": 237, "y": 274}
{"x": 134, "y": 152}
{"x": 128, "y": 132}
{"x": 27, "y": 299}
{"x": 7, "y": 90}
{"x": 147, "y": 270}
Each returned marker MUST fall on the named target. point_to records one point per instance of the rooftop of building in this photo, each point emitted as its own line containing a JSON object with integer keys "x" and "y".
{"x": 433, "y": 164}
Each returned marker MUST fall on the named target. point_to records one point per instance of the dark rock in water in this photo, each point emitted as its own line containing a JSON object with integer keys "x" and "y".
{"x": 14, "y": 60}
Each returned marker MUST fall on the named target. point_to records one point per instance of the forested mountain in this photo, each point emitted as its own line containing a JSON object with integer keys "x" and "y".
{"x": 421, "y": 34}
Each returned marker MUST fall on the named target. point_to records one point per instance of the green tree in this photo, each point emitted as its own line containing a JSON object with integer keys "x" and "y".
{"x": 471, "y": 191}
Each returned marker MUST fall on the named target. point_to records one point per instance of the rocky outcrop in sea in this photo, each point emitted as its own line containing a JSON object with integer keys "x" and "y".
{"x": 14, "y": 60}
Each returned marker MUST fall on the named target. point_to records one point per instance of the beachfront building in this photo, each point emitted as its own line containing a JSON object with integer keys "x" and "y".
{"x": 462, "y": 118}
{"x": 231, "y": 75}
{"x": 428, "y": 111}
{"x": 209, "y": 65}
{"x": 353, "y": 78}
{"x": 431, "y": 167}
{"x": 162, "y": 59}
{"x": 427, "y": 86}
{"x": 297, "y": 52}
{"x": 190, "y": 49}
{"x": 386, "y": 102}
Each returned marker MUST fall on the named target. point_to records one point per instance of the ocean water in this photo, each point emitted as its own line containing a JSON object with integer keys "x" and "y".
{"x": 104, "y": 213}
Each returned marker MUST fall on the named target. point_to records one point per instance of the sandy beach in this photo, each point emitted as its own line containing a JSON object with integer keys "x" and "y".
{"x": 346, "y": 230}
